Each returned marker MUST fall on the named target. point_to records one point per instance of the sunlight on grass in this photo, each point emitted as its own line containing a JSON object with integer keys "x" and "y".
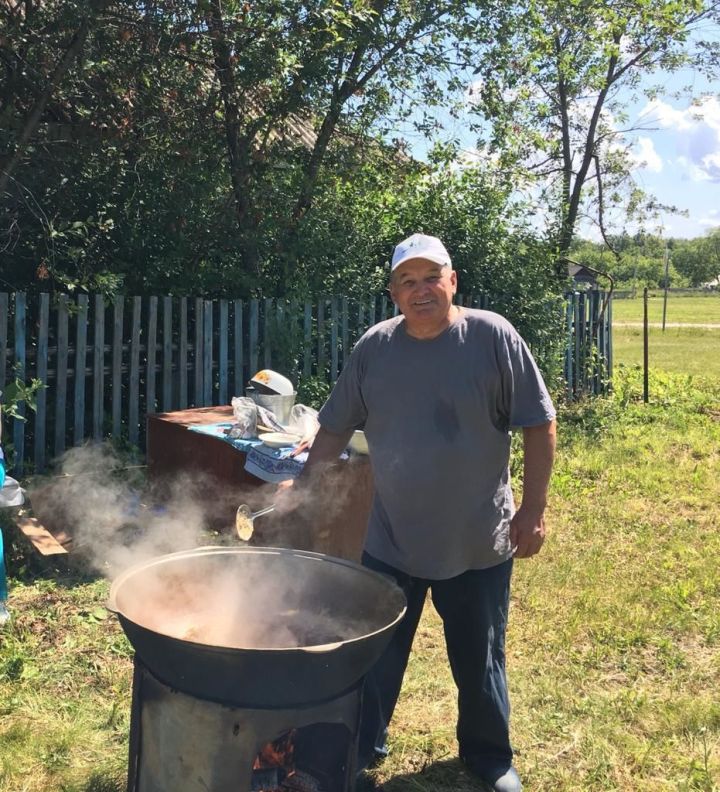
{"x": 681, "y": 350}
{"x": 614, "y": 630}
{"x": 683, "y": 308}
{"x": 613, "y": 647}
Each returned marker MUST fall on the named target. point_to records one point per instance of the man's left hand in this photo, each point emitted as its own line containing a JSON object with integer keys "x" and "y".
{"x": 527, "y": 532}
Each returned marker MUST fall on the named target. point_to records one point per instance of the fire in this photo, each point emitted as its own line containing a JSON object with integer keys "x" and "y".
{"x": 280, "y": 753}
{"x": 274, "y": 768}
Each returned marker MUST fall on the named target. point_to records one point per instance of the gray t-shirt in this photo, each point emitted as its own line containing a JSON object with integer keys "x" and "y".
{"x": 437, "y": 416}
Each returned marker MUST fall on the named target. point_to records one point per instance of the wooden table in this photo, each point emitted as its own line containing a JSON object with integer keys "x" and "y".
{"x": 332, "y": 520}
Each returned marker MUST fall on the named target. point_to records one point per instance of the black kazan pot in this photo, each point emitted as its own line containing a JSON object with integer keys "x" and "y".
{"x": 256, "y": 627}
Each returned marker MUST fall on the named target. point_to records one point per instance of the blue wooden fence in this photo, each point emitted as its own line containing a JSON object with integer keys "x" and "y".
{"x": 107, "y": 365}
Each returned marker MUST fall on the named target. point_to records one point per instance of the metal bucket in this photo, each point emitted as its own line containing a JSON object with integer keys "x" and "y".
{"x": 280, "y": 406}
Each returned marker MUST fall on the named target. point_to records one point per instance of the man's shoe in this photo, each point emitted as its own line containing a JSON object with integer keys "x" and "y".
{"x": 499, "y": 779}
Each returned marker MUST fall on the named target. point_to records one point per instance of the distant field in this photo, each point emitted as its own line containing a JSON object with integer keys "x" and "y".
{"x": 680, "y": 350}
{"x": 680, "y": 308}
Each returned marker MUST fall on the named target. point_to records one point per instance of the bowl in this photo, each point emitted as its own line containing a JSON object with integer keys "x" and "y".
{"x": 279, "y": 439}
{"x": 269, "y": 382}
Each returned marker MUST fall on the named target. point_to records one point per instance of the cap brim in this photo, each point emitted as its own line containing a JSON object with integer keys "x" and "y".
{"x": 443, "y": 262}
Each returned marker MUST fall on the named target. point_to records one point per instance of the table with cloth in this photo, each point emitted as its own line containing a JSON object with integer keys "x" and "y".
{"x": 191, "y": 449}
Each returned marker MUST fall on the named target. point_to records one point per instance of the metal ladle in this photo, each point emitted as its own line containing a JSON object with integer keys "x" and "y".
{"x": 244, "y": 520}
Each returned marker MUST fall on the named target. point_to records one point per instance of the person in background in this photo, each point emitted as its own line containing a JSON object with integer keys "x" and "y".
{"x": 438, "y": 390}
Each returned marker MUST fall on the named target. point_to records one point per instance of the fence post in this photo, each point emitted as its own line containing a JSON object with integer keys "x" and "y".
{"x": 223, "y": 353}
{"x": 98, "y": 367}
{"x": 20, "y": 361}
{"x": 569, "y": 372}
{"x": 167, "y": 355}
{"x": 238, "y": 346}
{"x": 307, "y": 338}
{"x": 81, "y": 321}
{"x": 134, "y": 389}
{"x": 151, "y": 356}
{"x": 3, "y": 338}
{"x": 333, "y": 339}
{"x": 207, "y": 354}
{"x": 118, "y": 319}
{"x": 41, "y": 372}
{"x": 267, "y": 343}
{"x": 254, "y": 335}
{"x": 183, "y": 356}
{"x": 61, "y": 373}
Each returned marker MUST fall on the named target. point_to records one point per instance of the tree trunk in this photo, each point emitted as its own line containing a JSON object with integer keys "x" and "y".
{"x": 238, "y": 150}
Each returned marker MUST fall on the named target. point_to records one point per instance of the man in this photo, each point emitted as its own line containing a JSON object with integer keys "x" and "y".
{"x": 437, "y": 390}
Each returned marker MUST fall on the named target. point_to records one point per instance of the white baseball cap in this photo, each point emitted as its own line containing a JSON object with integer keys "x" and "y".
{"x": 420, "y": 246}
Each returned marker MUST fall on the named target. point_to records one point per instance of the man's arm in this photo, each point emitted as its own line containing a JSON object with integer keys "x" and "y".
{"x": 527, "y": 528}
{"x": 326, "y": 448}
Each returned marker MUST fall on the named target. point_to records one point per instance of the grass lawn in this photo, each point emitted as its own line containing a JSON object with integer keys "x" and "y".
{"x": 680, "y": 308}
{"x": 613, "y": 645}
{"x": 689, "y": 350}
{"x": 682, "y": 350}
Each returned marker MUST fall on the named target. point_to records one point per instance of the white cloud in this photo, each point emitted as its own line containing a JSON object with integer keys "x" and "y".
{"x": 711, "y": 219}
{"x": 697, "y": 134}
{"x": 645, "y": 156}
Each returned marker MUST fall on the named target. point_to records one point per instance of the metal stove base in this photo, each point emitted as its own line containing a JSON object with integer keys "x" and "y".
{"x": 180, "y": 743}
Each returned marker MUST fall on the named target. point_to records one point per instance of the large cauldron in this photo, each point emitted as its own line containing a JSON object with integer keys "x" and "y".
{"x": 256, "y": 627}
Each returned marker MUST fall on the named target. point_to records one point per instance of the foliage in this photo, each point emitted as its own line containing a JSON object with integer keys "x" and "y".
{"x": 180, "y": 146}
{"x": 698, "y": 260}
{"x": 553, "y": 85}
{"x": 639, "y": 260}
{"x": 17, "y": 392}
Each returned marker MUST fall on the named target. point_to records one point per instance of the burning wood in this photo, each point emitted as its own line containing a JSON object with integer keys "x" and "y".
{"x": 274, "y": 769}
{"x": 268, "y": 780}
{"x": 280, "y": 753}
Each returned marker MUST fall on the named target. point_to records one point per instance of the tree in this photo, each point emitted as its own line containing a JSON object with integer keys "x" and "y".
{"x": 698, "y": 259}
{"x": 330, "y": 68}
{"x": 553, "y": 83}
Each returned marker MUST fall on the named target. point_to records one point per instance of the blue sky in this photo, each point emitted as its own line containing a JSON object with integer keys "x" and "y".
{"x": 675, "y": 146}
{"x": 679, "y": 160}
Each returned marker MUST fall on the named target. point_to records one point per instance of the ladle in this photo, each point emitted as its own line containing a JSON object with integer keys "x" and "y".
{"x": 244, "y": 518}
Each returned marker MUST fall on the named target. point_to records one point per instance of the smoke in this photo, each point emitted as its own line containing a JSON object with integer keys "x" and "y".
{"x": 233, "y": 600}
{"x": 110, "y": 514}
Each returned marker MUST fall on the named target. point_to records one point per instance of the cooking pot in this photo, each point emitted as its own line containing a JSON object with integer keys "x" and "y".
{"x": 254, "y": 626}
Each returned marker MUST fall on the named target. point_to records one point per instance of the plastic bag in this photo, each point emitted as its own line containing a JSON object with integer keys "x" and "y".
{"x": 303, "y": 421}
{"x": 245, "y": 415}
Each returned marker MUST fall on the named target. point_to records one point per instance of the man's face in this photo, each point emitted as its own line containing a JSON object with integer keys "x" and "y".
{"x": 423, "y": 291}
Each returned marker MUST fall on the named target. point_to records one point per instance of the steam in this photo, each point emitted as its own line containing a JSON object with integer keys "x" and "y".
{"x": 232, "y": 600}
{"x": 112, "y": 520}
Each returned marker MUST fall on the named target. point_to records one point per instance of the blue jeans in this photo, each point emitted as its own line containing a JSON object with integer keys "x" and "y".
{"x": 474, "y": 608}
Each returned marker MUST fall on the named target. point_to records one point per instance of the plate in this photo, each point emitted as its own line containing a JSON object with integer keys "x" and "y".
{"x": 279, "y": 439}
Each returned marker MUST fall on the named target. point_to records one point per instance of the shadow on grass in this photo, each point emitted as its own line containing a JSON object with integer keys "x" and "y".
{"x": 101, "y": 783}
{"x": 447, "y": 775}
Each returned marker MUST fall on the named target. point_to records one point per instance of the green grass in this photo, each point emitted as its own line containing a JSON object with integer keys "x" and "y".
{"x": 682, "y": 308}
{"x": 613, "y": 644}
{"x": 689, "y": 350}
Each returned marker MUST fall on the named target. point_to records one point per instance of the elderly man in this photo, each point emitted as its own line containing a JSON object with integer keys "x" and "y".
{"x": 438, "y": 389}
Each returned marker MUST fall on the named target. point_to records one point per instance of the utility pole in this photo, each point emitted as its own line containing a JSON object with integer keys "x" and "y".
{"x": 667, "y": 268}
